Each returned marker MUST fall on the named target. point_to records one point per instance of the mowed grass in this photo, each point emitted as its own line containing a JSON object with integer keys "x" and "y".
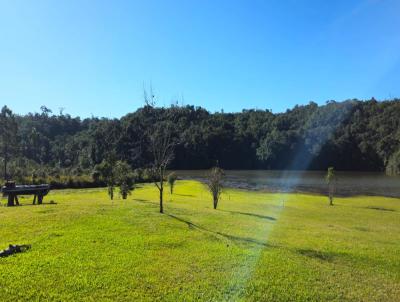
{"x": 255, "y": 247}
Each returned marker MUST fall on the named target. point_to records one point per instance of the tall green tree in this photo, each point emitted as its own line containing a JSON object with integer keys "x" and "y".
{"x": 393, "y": 165}
{"x": 8, "y": 138}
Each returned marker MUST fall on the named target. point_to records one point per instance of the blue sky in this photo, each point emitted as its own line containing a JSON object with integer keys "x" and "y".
{"x": 93, "y": 57}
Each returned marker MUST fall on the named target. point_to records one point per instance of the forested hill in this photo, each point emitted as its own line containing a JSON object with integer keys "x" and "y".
{"x": 350, "y": 135}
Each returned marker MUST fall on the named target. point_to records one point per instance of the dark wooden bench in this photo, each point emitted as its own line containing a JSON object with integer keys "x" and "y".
{"x": 12, "y": 191}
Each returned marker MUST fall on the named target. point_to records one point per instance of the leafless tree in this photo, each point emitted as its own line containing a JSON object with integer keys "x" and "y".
{"x": 162, "y": 146}
{"x": 149, "y": 97}
{"x": 214, "y": 183}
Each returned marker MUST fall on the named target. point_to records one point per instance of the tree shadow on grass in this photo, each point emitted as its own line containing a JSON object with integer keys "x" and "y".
{"x": 35, "y": 205}
{"x": 147, "y": 202}
{"x": 142, "y": 200}
{"x": 361, "y": 229}
{"x": 344, "y": 257}
{"x": 218, "y": 235}
{"x": 325, "y": 256}
{"x": 380, "y": 209}
{"x": 251, "y": 214}
{"x": 185, "y": 195}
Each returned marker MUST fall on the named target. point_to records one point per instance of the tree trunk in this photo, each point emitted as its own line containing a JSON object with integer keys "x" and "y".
{"x": 331, "y": 190}
{"x": 161, "y": 198}
{"x": 111, "y": 192}
{"x": 161, "y": 190}
{"x": 215, "y": 203}
{"x": 5, "y": 163}
{"x": 10, "y": 202}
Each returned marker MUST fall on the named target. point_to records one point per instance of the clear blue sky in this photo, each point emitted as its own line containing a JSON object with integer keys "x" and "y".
{"x": 92, "y": 57}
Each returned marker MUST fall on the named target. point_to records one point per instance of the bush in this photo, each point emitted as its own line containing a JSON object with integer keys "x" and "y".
{"x": 172, "y": 177}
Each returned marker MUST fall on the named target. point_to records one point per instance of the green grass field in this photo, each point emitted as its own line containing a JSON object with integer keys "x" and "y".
{"x": 255, "y": 247}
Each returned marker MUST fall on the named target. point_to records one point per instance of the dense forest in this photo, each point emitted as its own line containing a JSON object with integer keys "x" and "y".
{"x": 349, "y": 135}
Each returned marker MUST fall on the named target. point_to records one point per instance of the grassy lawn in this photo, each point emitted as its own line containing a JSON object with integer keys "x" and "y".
{"x": 255, "y": 247}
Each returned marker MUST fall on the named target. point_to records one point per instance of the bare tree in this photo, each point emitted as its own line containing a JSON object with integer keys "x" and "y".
{"x": 331, "y": 179}
{"x": 162, "y": 147}
{"x": 214, "y": 183}
{"x": 149, "y": 97}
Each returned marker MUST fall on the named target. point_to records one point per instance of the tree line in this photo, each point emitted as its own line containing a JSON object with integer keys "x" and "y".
{"x": 349, "y": 135}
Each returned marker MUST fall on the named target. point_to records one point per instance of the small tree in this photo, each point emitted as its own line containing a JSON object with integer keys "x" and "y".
{"x": 124, "y": 178}
{"x": 105, "y": 168}
{"x": 172, "y": 177}
{"x": 214, "y": 184}
{"x": 162, "y": 147}
{"x": 331, "y": 179}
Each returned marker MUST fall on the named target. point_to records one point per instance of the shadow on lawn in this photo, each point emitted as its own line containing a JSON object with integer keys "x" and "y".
{"x": 191, "y": 225}
{"x": 146, "y": 202}
{"x": 185, "y": 195}
{"x": 380, "y": 209}
{"x": 251, "y": 214}
{"x": 143, "y": 201}
{"x": 326, "y": 256}
{"x": 36, "y": 205}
